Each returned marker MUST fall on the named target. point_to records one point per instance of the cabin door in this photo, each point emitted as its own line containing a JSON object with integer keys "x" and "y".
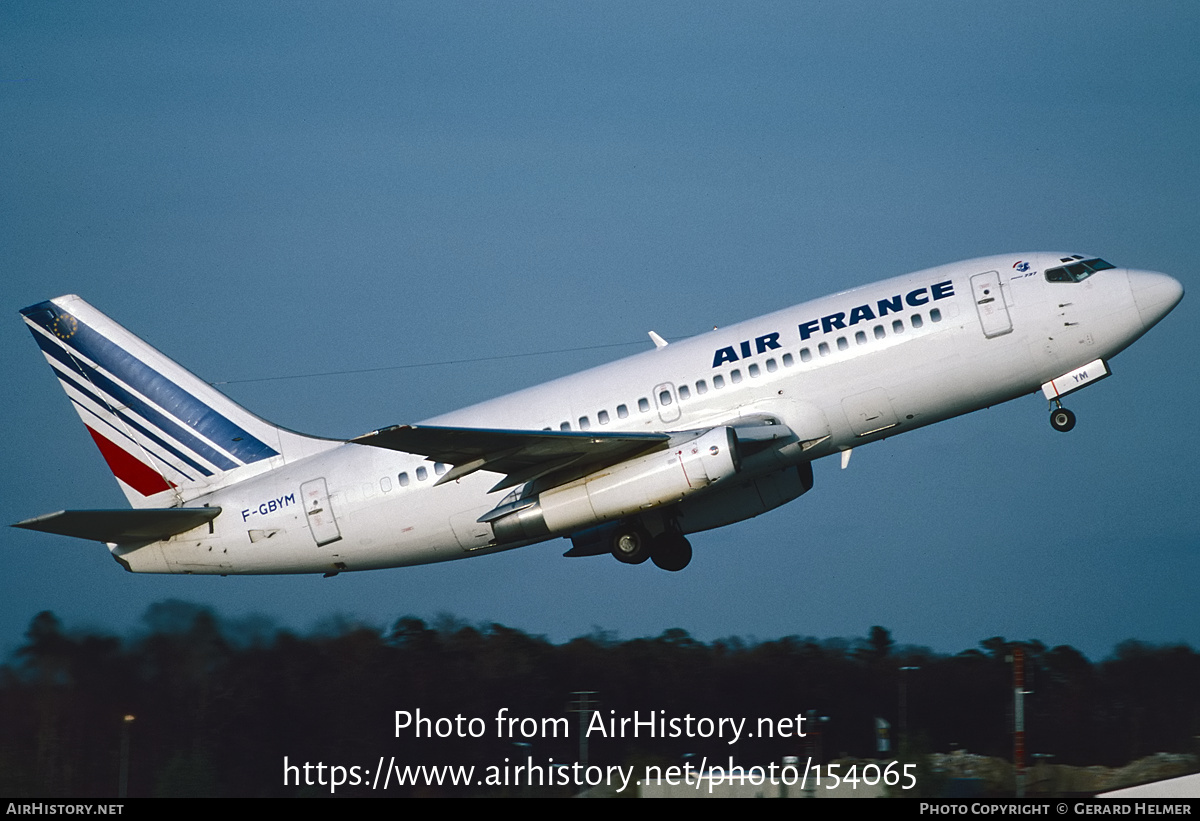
{"x": 319, "y": 512}
{"x": 989, "y": 302}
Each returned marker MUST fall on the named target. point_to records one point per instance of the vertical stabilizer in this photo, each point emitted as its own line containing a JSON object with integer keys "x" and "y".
{"x": 167, "y": 435}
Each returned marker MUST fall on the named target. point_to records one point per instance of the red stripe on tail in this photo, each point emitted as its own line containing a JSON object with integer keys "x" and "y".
{"x": 139, "y": 476}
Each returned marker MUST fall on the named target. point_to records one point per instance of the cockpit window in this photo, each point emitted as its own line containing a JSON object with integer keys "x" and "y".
{"x": 1078, "y": 271}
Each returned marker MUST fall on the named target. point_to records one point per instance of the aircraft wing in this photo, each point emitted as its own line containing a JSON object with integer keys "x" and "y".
{"x": 521, "y": 455}
{"x": 122, "y": 526}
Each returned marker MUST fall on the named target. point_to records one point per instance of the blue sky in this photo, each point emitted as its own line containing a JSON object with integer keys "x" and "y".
{"x": 297, "y": 188}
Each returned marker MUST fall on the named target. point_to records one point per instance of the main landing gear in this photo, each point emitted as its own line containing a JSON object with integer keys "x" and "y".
{"x": 633, "y": 545}
{"x": 671, "y": 551}
{"x": 1061, "y": 419}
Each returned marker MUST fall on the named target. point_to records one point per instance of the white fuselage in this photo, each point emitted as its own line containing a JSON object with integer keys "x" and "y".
{"x": 840, "y": 372}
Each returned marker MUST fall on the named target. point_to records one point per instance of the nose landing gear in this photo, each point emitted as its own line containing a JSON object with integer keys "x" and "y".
{"x": 1061, "y": 419}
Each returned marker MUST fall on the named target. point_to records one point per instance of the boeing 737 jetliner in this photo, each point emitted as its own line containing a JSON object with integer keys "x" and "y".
{"x": 627, "y": 458}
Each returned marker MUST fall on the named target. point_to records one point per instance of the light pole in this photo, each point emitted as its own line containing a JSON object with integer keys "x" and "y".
{"x": 527, "y": 749}
{"x": 123, "y": 777}
{"x": 1019, "y": 692}
{"x": 585, "y": 705}
{"x": 903, "y": 747}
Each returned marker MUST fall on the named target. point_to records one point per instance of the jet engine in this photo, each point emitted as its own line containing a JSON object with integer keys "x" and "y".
{"x": 633, "y": 486}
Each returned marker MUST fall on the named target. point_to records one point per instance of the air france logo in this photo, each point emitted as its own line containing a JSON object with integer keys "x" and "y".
{"x": 1021, "y": 266}
{"x": 762, "y": 344}
{"x": 883, "y": 307}
{"x": 837, "y": 321}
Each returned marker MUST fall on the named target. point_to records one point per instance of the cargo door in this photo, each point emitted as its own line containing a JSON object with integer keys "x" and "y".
{"x": 870, "y": 412}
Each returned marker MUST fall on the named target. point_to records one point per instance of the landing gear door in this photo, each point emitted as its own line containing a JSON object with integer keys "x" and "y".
{"x": 319, "y": 512}
{"x": 989, "y": 301}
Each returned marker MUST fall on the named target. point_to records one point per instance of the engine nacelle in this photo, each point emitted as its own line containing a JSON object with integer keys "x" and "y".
{"x": 738, "y": 501}
{"x": 660, "y": 478}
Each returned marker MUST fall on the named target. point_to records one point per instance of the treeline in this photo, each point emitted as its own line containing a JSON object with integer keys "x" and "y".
{"x": 199, "y": 707}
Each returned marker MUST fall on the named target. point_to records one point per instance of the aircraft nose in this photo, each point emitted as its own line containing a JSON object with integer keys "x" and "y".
{"x": 1154, "y": 294}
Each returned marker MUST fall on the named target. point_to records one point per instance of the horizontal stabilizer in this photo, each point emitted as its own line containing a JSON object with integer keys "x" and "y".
{"x": 520, "y": 454}
{"x": 122, "y": 526}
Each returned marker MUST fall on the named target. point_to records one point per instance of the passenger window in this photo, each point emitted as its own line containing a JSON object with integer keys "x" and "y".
{"x": 664, "y": 398}
{"x": 603, "y": 417}
{"x": 842, "y": 343}
{"x": 439, "y": 468}
{"x": 422, "y": 473}
{"x": 935, "y": 315}
{"x": 584, "y": 424}
{"x": 718, "y": 381}
{"x": 565, "y": 426}
{"x": 805, "y": 355}
{"x": 685, "y": 392}
{"x": 622, "y": 412}
{"x": 403, "y": 480}
{"x": 735, "y": 376}
{"x": 823, "y": 349}
{"x": 880, "y": 333}
{"x": 701, "y": 387}
{"x": 916, "y": 320}
{"x": 860, "y": 337}
{"x": 898, "y": 327}
{"x": 753, "y": 369}
{"x": 788, "y": 360}
{"x": 771, "y": 366}
{"x": 644, "y": 404}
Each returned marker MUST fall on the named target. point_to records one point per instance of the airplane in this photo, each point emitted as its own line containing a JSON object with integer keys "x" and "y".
{"x": 627, "y": 458}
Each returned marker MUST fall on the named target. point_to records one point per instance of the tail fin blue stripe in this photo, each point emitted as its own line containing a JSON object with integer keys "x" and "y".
{"x": 121, "y": 398}
{"x": 185, "y": 407}
{"x": 136, "y": 425}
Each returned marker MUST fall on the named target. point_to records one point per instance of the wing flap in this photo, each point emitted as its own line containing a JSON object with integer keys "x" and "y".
{"x": 519, "y": 454}
{"x": 122, "y": 526}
